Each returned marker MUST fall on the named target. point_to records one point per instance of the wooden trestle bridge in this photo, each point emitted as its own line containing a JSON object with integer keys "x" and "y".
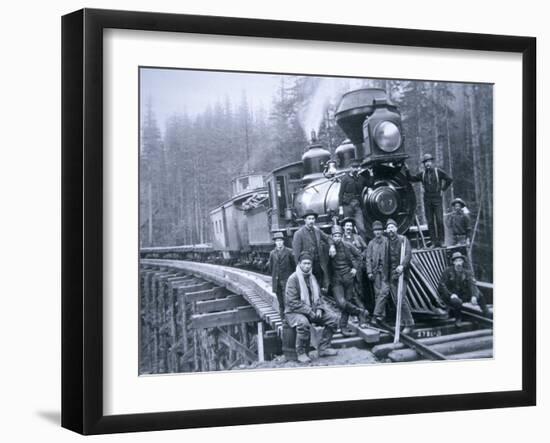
{"x": 199, "y": 317}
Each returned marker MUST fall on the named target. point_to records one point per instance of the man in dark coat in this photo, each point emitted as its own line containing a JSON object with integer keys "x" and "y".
{"x": 304, "y": 305}
{"x": 457, "y": 286}
{"x": 435, "y": 181}
{"x": 378, "y": 270}
{"x": 351, "y": 189}
{"x": 311, "y": 239}
{"x": 356, "y": 240}
{"x": 459, "y": 223}
{"x": 281, "y": 264}
{"x": 397, "y": 267}
{"x": 344, "y": 265}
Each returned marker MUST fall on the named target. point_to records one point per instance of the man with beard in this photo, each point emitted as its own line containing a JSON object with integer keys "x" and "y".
{"x": 344, "y": 265}
{"x": 311, "y": 239}
{"x": 304, "y": 306}
{"x": 378, "y": 271}
{"x": 281, "y": 264}
{"x": 351, "y": 188}
{"x": 457, "y": 286}
{"x": 435, "y": 181}
{"x": 459, "y": 223}
{"x": 396, "y": 268}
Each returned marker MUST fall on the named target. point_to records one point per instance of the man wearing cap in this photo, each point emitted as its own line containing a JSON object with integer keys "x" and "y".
{"x": 310, "y": 238}
{"x": 304, "y": 306}
{"x": 378, "y": 270}
{"x": 459, "y": 223}
{"x": 398, "y": 267}
{"x": 435, "y": 181}
{"x": 344, "y": 265}
{"x": 351, "y": 188}
{"x": 281, "y": 264}
{"x": 457, "y": 286}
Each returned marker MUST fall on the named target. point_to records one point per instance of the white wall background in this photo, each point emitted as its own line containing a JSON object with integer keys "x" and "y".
{"x": 30, "y": 221}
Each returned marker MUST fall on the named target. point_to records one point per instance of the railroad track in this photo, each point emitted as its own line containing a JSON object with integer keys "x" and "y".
{"x": 184, "y": 302}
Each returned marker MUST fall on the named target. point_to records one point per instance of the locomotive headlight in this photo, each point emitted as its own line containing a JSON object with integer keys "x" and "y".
{"x": 387, "y": 136}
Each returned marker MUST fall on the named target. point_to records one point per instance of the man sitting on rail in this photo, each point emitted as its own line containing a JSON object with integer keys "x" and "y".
{"x": 344, "y": 267}
{"x": 457, "y": 286}
{"x": 311, "y": 239}
{"x": 304, "y": 306}
{"x": 281, "y": 264}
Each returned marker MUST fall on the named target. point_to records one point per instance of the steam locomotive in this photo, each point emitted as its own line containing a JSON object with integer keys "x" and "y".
{"x": 242, "y": 227}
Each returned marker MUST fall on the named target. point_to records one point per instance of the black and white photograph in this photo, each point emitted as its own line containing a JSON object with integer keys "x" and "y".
{"x": 289, "y": 221}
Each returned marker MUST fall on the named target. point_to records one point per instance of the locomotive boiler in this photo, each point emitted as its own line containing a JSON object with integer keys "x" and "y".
{"x": 373, "y": 126}
{"x": 277, "y": 201}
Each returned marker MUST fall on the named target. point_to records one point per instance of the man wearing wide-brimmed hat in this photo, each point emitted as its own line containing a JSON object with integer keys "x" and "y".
{"x": 435, "y": 181}
{"x": 457, "y": 286}
{"x": 351, "y": 188}
{"x": 344, "y": 266}
{"x": 399, "y": 266}
{"x": 311, "y": 239}
{"x": 459, "y": 223}
{"x": 281, "y": 264}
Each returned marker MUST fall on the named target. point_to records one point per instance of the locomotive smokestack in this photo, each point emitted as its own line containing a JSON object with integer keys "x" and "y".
{"x": 313, "y": 137}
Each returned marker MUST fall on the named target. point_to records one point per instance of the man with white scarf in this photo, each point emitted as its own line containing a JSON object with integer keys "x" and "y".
{"x": 304, "y": 306}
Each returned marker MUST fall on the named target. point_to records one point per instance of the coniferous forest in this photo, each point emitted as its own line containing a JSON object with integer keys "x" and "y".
{"x": 187, "y": 163}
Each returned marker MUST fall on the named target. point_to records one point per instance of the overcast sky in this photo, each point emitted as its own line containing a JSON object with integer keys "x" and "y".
{"x": 179, "y": 90}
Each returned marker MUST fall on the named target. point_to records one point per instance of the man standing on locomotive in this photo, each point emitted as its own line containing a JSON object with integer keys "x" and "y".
{"x": 311, "y": 239}
{"x": 378, "y": 270}
{"x": 344, "y": 265}
{"x": 457, "y": 286}
{"x": 351, "y": 188}
{"x": 398, "y": 267}
{"x": 435, "y": 181}
{"x": 459, "y": 223}
{"x": 281, "y": 264}
{"x": 304, "y": 305}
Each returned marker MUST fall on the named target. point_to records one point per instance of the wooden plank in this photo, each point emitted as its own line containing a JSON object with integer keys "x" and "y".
{"x": 231, "y": 317}
{"x": 236, "y": 345}
{"x": 260, "y": 338}
{"x": 207, "y": 294}
{"x": 194, "y": 287}
{"x": 220, "y": 304}
{"x": 367, "y": 334}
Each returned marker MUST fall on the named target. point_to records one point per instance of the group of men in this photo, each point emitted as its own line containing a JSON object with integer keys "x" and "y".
{"x": 342, "y": 261}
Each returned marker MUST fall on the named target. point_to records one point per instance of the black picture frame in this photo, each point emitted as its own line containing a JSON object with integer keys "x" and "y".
{"x": 82, "y": 218}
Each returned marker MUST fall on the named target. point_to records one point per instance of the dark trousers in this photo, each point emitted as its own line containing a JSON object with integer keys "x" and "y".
{"x": 433, "y": 209}
{"x": 281, "y": 298}
{"x": 343, "y": 290}
{"x": 303, "y": 327}
{"x": 455, "y": 305}
{"x": 381, "y": 294}
{"x": 406, "y": 314}
{"x": 319, "y": 274}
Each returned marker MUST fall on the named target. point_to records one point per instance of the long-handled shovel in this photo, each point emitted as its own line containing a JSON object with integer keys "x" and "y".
{"x": 399, "y": 297}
